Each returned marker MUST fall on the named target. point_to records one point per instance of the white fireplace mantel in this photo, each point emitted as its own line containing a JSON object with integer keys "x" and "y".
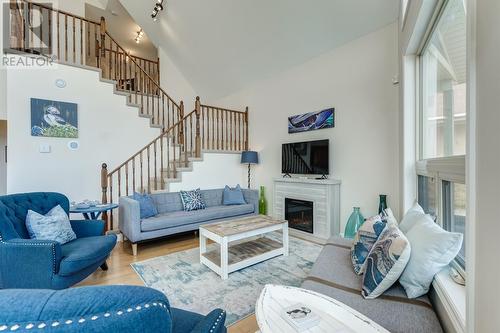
{"x": 325, "y": 195}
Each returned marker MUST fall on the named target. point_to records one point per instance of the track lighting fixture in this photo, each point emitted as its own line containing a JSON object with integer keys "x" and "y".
{"x": 157, "y": 9}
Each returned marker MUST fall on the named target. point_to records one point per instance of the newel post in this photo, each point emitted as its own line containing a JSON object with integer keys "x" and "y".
{"x": 246, "y": 128}
{"x": 197, "y": 108}
{"x": 104, "y": 189}
{"x": 181, "y": 125}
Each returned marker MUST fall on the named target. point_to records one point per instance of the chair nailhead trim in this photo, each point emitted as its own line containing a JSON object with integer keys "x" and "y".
{"x": 217, "y": 322}
{"x": 92, "y": 318}
{"x": 37, "y": 244}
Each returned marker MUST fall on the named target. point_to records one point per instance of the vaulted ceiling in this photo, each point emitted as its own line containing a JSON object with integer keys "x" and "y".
{"x": 222, "y": 46}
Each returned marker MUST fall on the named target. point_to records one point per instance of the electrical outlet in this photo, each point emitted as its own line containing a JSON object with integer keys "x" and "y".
{"x": 44, "y": 148}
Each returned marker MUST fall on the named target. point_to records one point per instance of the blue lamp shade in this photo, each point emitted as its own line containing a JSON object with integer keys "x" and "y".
{"x": 249, "y": 157}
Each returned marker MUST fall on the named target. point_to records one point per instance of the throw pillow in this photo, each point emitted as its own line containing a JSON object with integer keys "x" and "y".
{"x": 54, "y": 225}
{"x": 432, "y": 250}
{"x": 386, "y": 262}
{"x": 233, "y": 196}
{"x": 146, "y": 205}
{"x": 389, "y": 217}
{"x": 192, "y": 200}
{"x": 364, "y": 239}
{"x": 411, "y": 217}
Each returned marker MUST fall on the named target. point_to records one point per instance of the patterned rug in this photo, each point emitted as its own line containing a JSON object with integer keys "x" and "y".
{"x": 192, "y": 286}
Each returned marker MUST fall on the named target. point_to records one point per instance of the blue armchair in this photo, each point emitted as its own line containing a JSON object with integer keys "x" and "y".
{"x": 101, "y": 309}
{"x": 28, "y": 263}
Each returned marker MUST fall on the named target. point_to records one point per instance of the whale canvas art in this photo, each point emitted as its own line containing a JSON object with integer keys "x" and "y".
{"x": 312, "y": 121}
{"x": 54, "y": 119}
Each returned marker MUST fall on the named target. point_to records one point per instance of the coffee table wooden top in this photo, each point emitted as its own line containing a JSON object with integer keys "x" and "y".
{"x": 241, "y": 225}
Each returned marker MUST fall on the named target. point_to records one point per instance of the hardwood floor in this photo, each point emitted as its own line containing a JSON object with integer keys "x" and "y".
{"x": 120, "y": 271}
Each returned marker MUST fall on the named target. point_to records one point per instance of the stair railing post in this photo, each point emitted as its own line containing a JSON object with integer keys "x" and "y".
{"x": 198, "y": 136}
{"x": 181, "y": 126}
{"x": 246, "y": 128}
{"x": 104, "y": 189}
{"x": 103, "y": 36}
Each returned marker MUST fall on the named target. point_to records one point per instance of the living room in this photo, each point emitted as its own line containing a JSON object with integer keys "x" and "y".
{"x": 184, "y": 166}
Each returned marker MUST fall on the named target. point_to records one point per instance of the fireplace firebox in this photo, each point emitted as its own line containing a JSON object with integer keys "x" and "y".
{"x": 299, "y": 214}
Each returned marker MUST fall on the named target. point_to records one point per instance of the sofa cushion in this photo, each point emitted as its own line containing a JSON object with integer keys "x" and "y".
{"x": 179, "y": 218}
{"x": 83, "y": 252}
{"x": 332, "y": 275}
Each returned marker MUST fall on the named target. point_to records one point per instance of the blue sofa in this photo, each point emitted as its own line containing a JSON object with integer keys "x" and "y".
{"x": 28, "y": 263}
{"x": 172, "y": 219}
{"x": 100, "y": 309}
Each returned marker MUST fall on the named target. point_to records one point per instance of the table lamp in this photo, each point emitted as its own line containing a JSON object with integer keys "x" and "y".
{"x": 249, "y": 157}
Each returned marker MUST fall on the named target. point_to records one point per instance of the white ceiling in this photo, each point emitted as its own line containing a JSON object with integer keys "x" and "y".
{"x": 122, "y": 27}
{"x": 222, "y": 46}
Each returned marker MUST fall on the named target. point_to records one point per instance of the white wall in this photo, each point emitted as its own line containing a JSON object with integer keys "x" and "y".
{"x": 356, "y": 80}
{"x": 483, "y": 167}
{"x": 174, "y": 82}
{"x": 215, "y": 171}
{"x": 109, "y": 131}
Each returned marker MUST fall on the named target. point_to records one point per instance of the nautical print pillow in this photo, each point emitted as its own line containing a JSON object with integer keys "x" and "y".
{"x": 364, "y": 239}
{"x": 386, "y": 262}
{"x": 192, "y": 200}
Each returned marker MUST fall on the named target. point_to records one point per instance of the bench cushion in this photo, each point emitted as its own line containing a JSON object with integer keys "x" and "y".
{"x": 179, "y": 218}
{"x": 333, "y": 275}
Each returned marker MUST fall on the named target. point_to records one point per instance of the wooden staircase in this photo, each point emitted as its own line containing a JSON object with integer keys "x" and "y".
{"x": 73, "y": 40}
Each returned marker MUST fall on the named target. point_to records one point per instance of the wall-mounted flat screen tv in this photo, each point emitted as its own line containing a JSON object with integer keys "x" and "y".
{"x": 305, "y": 158}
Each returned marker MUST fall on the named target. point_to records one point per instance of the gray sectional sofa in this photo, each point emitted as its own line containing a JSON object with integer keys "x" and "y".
{"x": 172, "y": 219}
{"x": 333, "y": 275}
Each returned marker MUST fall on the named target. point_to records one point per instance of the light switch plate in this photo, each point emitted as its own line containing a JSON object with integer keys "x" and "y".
{"x": 44, "y": 148}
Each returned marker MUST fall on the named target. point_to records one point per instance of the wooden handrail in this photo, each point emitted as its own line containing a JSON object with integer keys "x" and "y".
{"x": 162, "y": 135}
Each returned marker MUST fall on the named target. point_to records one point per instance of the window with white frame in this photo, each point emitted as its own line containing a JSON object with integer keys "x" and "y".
{"x": 442, "y": 121}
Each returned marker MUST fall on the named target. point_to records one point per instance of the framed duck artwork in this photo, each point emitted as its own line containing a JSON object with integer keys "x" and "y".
{"x": 312, "y": 121}
{"x": 54, "y": 119}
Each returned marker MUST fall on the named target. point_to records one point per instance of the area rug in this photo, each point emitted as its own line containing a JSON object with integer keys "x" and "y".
{"x": 192, "y": 286}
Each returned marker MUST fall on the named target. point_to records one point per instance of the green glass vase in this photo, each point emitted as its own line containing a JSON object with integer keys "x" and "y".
{"x": 262, "y": 201}
{"x": 355, "y": 221}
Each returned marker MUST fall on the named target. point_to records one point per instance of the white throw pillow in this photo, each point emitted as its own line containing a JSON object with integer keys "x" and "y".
{"x": 411, "y": 217}
{"x": 432, "y": 249}
{"x": 386, "y": 261}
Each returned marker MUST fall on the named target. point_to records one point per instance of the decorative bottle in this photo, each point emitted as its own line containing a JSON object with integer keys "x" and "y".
{"x": 262, "y": 201}
{"x": 355, "y": 221}
{"x": 382, "y": 203}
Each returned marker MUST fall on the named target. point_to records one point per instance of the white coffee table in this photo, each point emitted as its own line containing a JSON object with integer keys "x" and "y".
{"x": 336, "y": 317}
{"x": 250, "y": 246}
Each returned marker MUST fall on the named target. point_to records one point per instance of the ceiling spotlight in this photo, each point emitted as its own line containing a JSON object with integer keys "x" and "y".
{"x": 139, "y": 36}
{"x": 157, "y": 9}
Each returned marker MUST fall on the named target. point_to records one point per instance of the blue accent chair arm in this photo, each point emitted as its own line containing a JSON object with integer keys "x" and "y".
{"x": 252, "y": 197}
{"x": 87, "y": 228}
{"x": 100, "y": 309}
{"x": 18, "y": 256}
{"x": 213, "y": 322}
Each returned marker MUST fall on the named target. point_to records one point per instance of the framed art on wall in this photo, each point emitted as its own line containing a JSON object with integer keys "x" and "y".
{"x": 54, "y": 119}
{"x": 312, "y": 121}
